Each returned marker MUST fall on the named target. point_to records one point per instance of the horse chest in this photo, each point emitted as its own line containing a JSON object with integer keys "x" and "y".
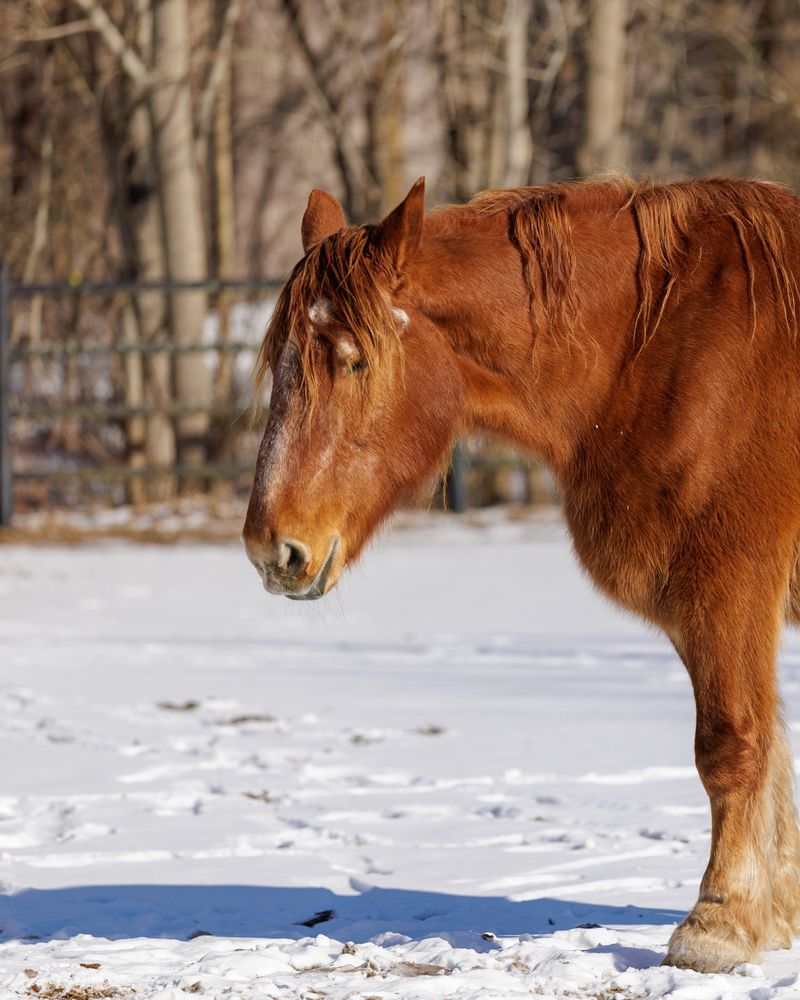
{"x": 620, "y": 542}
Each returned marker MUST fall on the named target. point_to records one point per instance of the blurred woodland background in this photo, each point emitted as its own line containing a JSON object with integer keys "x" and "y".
{"x": 144, "y": 140}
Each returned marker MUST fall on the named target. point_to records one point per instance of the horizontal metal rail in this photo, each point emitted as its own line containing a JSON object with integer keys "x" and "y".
{"x": 112, "y": 473}
{"x": 61, "y": 289}
{"x": 73, "y": 349}
{"x": 112, "y": 412}
{"x": 11, "y": 292}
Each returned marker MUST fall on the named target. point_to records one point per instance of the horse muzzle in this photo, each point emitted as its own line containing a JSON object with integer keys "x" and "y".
{"x": 284, "y": 568}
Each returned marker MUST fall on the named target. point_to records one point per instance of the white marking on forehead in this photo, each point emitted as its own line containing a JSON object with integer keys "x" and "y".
{"x": 276, "y": 444}
{"x": 400, "y": 315}
{"x": 346, "y": 349}
{"x": 320, "y": 312}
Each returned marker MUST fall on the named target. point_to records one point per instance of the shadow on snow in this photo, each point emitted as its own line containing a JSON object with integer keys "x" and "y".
{"x": 184, "y": 911}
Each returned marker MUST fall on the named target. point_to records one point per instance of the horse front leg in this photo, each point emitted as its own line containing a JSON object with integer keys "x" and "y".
{"x": 749, "y": 893}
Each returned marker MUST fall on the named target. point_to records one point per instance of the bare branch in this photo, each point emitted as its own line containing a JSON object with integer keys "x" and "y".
{"x": 355, "y": 172}
{"x": 216, "y": 70}
{"x": 65, "y": 56}
{"x": 114, "y": 39}
{"x": 57, "y": 31}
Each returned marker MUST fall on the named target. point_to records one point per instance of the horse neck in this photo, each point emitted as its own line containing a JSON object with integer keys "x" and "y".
{"x": 537, "y": 387}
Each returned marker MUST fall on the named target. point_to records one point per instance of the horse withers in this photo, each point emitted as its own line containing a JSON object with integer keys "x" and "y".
{"x": 642, "y": 340}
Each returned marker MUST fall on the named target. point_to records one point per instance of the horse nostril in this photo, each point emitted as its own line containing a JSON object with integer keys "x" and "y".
{"x": 293, "y": 556}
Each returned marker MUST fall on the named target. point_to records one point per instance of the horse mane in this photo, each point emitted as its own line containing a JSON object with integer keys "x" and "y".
{"x": 344, "y": 272}
{"x": 540, "y": 228}
{"x": 664, "y": 216}
{"x": 342, "y": 269}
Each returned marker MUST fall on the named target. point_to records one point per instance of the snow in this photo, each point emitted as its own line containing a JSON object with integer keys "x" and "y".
{"x": 462, "y": 775}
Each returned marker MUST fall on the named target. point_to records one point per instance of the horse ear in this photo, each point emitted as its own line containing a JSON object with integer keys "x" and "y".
{"x": 398, "y": 236}
{"x": 323, "y": 216}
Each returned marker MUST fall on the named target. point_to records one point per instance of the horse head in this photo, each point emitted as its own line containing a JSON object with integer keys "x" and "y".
{"x": 365, "y": 397}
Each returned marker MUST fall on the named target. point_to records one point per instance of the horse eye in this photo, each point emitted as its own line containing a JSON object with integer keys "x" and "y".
{"x": 358, "y": 366}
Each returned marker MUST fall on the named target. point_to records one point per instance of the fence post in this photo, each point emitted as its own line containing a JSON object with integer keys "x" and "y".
{"x": 456, "y": 486}
{"x": 6, "y": 480}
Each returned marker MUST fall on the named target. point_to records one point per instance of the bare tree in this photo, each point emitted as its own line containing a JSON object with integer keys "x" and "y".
{"x": 386, "y": 106}
{"x": 223, "y": 203}
{"x": 149, "y": 377}
{"x": 603, "y": 142}
{"x": 184, "y": 233}
{"x": 509, "y": 139}
{"x": 330, "y": 94}
{"x": 515, "y": 46}
{"x": 164, "y": 156}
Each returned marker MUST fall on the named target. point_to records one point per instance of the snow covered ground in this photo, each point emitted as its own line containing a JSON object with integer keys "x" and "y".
{"x": 463, "y": 775}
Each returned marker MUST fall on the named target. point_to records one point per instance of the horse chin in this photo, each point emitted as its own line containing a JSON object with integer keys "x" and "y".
{"x": 326, "y": 577}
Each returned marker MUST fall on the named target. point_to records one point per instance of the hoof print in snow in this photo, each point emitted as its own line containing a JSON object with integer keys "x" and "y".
{"x": 430, "y": 730}
{"x": 254, "y": 718}
{"x": 262, "y": 796}
{"x": 179, "y": 706}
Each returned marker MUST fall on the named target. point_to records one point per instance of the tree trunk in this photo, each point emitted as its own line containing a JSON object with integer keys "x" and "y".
{"x": 224, "y": 208}
{"x": 389, "y": 106}
{"x": 41, "y": 224}
{"x": 455, "y": 92}
{"x": 509, "y": 144}
{"x": 151, "y": 307}
{"x": 603, "y": 147}
{"x": 184, "y": 236}
{"x": 224, "y": 223}
{"x": 144, "y": 213}
{"x": 494, "y": 134}
{"x": 520, "y": 139}
{"x": 136, "y": 426}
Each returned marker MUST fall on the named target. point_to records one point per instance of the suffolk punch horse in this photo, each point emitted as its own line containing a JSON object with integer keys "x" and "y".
{"x": 642, "y": 340}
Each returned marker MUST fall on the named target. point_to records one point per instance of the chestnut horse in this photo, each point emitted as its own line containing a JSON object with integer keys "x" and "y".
{"x": 642, "y": 341}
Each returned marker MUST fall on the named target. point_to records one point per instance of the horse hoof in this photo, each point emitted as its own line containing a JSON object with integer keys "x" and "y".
{"x": 706, "y": 946}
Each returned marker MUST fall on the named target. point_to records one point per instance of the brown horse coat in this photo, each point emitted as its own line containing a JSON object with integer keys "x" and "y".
{"x": 640, "y": 339}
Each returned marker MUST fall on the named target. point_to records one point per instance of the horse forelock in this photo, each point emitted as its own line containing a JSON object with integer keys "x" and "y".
{"x": 340, "y": 279}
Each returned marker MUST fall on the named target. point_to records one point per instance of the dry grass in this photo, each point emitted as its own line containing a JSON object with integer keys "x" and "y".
{"x": 249, "y": 719}
{"x": 57, "y": 533}
{"x": 191, "y": 519}
{"x": 54, "y": 991}
{"x": 262, "y": 796}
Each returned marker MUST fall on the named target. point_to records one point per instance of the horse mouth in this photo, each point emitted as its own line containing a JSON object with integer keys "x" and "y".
{"x": 318, "y": 585}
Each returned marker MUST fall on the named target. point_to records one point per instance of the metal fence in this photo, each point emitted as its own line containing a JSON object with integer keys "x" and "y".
{"x": 11, "y": 354}
{"x": 465, "y": 462}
